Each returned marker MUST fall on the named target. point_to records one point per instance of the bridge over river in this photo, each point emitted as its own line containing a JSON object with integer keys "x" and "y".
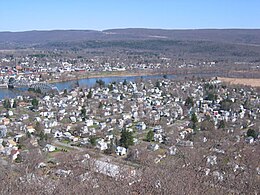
{"x": 44, "y": 87}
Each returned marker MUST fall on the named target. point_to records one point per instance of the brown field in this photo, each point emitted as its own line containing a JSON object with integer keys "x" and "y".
{"x": 241, "y": 81}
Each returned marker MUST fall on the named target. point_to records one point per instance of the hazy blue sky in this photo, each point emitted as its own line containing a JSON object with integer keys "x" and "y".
{"x": 20, "y": 15}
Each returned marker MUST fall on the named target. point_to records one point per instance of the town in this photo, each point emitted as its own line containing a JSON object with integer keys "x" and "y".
{"x": 129, "y": 97}
{"x": 132, "y": 131}
{"x": 50, "y": 67}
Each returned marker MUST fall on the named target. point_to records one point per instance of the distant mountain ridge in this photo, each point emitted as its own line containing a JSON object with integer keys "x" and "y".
{"x": 235, "y": 36}
{"x": 213, "y": 44}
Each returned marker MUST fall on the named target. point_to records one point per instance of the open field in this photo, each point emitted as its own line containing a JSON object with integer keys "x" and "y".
{"x": 241, "y": 81}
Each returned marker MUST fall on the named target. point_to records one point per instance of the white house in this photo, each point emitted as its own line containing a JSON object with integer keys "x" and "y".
{"x": 73, "y": 119}
{"x": 249, "y": 140}
{"x": 153, "y": 147}
{"x": 3, "y": 131}
{"x": 121, "y": 150}
{"x": 58, "y": 134}
{"x": 102, "y": 145}
{"x": 89, "y": 122}
{"x": 49, "y": 148}
{"x": 172, "y": 150}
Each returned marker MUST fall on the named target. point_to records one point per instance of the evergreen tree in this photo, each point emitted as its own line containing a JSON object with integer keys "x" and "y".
{"x": 194, "y": 121}
{"x": 150, "y": 136}
{"x": 111, "y": 147}
{"x": 77, "y": 84}
{"x": 89, "y": 94}
{"x": 65, "y": 92}
{"x": 83, "y": 112}
{"x": 158, "y": 84}
{"x": 93, "y": 140}
{"x": 14, "y": 104}
{"x": 125, "y": 82}
{"x": 194, "y": 118}
{"x": 38, "y": 127}
{"x": 7, "y": 104}
{"x": 35, "y": 103}
{"x": 189, "y": 102}
{"x": 110, "y": 87}
{"x": 222, "y": 124}
{"x": 100, "y": 82}
{"x": 100, "y": 106}
{"x": 252, "y": 133}
{"x": 121, "y": 97}
{"x": 38, "y": 90}
{"x": 127, "y": 138}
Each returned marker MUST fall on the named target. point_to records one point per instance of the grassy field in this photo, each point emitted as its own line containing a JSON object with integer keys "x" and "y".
{"x": 241, "y": 81}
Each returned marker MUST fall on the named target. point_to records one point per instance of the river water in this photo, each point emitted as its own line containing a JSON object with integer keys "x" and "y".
{"x": 9, "y": 93}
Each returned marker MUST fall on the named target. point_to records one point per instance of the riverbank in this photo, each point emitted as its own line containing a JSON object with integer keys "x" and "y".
{"x": 79, "y": 76}
{"x": 86, "y": 75}
{"x": 186, "y": 72}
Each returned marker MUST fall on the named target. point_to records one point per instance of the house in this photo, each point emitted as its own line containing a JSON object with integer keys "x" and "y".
{"x": 85, "y": 129}
{"x": 30, "y": 129}
{"x": 172, "y": 150}
{"x": 141, "y": 126}
{"x": 38, "y": 119}
{"x": 47, "y": 131}
{"x": 50, "y": 123}
{"x": 120, "y": 151}
{"x": 11, "y": 143}
{"x": 102, "y": 145}
{"x": 41, "y": 165}
{"x": 58, "y": 134}
{"x": 158, "y": 137}
{"x": 18, "y": 137}
{"x": 189, "y": 130}
{"x": 15, "y": 154}
{"x": 102, "y": 125}
{"x": 24, "y": 117}
{"x": 10, "y": 113}
{"x": 158, "y": 129}
{"x": 3, "y": 131}
{"x": 185, "y": 143}
{"x": 49, "y": 148}
{"x": 6, "y": 121}
{"x": 73, "y": 119}
{"x": 109, "y": 137}
{"x": 127, "y": 116}
{"x": 47, "y": 98}
{"x": 249, "y": 140}
{"x": 67, "y": 135}
{"x": 212, "y": 160}
{"x": 63, "y": 173}
{"x": 218, "y": 175}
{"x": 1, "y": 146}
{"x": 183, "y": 134}
{"x": 34, "y": 142}
{"x": 153, "y": 147}
{"x": 89, "y": 122}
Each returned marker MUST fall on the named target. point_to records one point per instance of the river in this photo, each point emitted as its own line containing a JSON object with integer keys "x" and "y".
{"x": 88, "y": 82}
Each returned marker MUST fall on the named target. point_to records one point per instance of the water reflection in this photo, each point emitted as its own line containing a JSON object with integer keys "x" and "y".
{"x": 7, "y": 93}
